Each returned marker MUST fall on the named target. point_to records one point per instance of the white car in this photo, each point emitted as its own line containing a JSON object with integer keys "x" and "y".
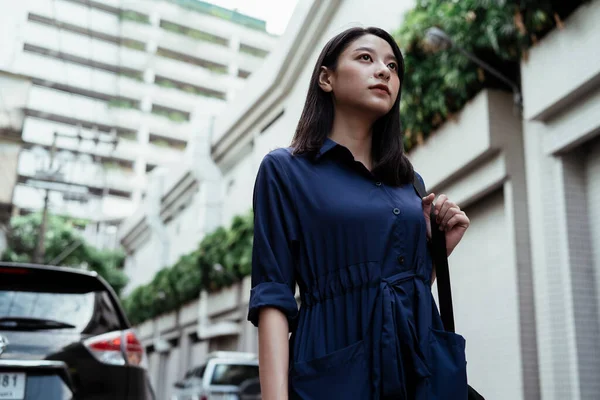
{"x": 219, "y": 378}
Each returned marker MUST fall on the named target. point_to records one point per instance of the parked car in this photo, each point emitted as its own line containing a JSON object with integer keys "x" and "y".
{"x": 64, "y": 335}
{"x": 220, "y": 378}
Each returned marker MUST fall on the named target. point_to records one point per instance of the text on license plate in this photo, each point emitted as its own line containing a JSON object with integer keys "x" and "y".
{"x": 12, "y": 385}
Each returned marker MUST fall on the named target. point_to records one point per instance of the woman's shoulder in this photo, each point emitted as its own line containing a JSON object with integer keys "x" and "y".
{"x": 282, "y": 157}
{"x": 282, "y": 154}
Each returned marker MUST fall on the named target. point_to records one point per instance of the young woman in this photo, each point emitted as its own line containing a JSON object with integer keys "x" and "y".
{"x": 337, "y": 215}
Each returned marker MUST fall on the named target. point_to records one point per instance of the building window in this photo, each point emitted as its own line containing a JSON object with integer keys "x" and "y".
{"x": 130, "y": 15}
{"x": 167, "y": 142}
{"x": 170, "y": 113}
{"x": 188, "y": 88}
{"x": 243, "y": 74}
{"x": 214, "y": 67}
{"x": 253, "y": 51}
{"x": 123, "y": 166}
{"x": 122, "y": 102}
{"x": 193, "y": 33}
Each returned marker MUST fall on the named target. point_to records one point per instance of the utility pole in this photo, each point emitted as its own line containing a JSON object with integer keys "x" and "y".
{"x": 55, "y": 175}
{"x": 38, "y": 256}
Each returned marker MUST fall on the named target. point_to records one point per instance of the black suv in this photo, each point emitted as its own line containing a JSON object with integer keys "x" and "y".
{"x": 64, "y": 335}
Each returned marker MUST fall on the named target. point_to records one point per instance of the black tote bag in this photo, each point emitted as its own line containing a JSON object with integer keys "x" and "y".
{"x": 437, "y": 247}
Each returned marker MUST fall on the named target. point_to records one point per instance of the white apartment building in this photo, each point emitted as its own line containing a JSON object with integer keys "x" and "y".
{"x": 147, "y": 73}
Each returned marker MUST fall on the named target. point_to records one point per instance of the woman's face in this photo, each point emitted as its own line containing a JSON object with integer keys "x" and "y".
{"x": 366, "y": 78}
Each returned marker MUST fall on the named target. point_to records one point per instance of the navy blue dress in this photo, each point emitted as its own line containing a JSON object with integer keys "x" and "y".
{"x": 367, "y": 326}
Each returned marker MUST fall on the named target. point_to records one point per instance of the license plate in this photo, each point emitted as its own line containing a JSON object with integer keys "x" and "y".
{"x": 12, "y": 385}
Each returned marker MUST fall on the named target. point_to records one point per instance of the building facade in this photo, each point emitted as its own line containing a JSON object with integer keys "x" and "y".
{"x": 14, "y": 94}
{"x": 124, "y": 84}
{"x": 526, "y": 277}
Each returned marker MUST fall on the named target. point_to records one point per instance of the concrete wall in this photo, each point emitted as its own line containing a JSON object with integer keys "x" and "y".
{"x": 561, "y": 129}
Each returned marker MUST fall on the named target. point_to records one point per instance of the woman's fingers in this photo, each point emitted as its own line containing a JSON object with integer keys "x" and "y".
{"x": 447, "y": 205}
{"x": 460, "y": 218}
{"x": 427, "y": 200}
{"x": 452, "y": 211}
{"x": 439, "y": 203}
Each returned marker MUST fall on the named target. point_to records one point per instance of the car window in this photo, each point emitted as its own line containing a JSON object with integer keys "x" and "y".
{"x": 233, "y": 374}
{"x": 199, "y": 372}
{"x": 73, "y": 308}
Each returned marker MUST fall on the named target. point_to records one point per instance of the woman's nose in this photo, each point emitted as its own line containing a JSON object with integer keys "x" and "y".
{"x": 383, "y": 73}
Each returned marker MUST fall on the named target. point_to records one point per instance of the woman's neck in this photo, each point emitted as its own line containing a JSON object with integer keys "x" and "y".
{"x": 354, "y": 132}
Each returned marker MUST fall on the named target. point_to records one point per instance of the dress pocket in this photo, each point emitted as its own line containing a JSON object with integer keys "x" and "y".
{"x": 448, "y": 366}
{"x": 343, "y": 374}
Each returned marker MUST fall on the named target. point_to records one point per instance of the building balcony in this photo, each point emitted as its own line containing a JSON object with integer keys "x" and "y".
{"x": 163, "y": 152}
{"x": 195, "y": 74}
{"x": 54, "y": 102}
{"x": 78, "y": 45}
{"x": 166, "y": 128}
{"x": 95, "y": 183}
{"x": 79, "y": 78}
{"x": 77, "y": 14}
{"x": 196, "y": 48}
{"x": 39, "y": 132}
{"x": 190, "y": 98}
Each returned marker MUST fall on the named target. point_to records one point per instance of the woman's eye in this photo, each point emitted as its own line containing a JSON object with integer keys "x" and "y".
{"x": 366, "y": 57}
{"x": 393, "y": 66}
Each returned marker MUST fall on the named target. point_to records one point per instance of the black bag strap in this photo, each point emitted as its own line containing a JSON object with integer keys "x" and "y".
{"x": 437, "y": 248}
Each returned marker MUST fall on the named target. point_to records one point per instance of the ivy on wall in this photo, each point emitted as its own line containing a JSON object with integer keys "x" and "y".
{"x": 436, "y": 86}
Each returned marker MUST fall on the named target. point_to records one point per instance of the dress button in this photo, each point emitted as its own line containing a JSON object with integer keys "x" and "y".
{"x": 396, "y": 211}
{"x": 378, "y": 183}
{"x": 400, "y": 260}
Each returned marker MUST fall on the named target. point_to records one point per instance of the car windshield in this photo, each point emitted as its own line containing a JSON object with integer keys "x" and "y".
{"x": 233, "y": 374}
{"x": 74, "y": 309}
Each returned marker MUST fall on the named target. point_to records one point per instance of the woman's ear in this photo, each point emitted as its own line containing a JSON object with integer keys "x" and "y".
{"x": 325, "y": 80}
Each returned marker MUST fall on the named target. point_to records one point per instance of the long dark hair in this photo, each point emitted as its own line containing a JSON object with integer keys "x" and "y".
{"x": 390, "y": 164}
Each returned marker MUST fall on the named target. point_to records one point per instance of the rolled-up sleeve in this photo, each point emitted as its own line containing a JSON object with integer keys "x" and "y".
{"x": 275, "y": 231}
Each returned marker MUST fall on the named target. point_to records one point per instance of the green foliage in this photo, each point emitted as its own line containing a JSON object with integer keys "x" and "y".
{"x": 167, "y": 83}
{"x": 61, "y": 235}
{"x": 222, "y": 258}
{"x": 174, "y": 116}
{"x": 438, "y": 84}
{"x": 123, "y": 103}
{"x": 135, "y": 75}
{"x": 134, "y": 16}
{"x": 253, "y": 51}
{"x": 194, "y": 33}
{"x": 134, "y": 44}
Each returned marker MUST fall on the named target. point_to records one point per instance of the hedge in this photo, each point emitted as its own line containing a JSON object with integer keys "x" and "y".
{"x": 222, "y": 258}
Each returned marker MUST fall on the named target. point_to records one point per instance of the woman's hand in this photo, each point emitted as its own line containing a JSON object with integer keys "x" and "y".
{"x": 450, "y": 218}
